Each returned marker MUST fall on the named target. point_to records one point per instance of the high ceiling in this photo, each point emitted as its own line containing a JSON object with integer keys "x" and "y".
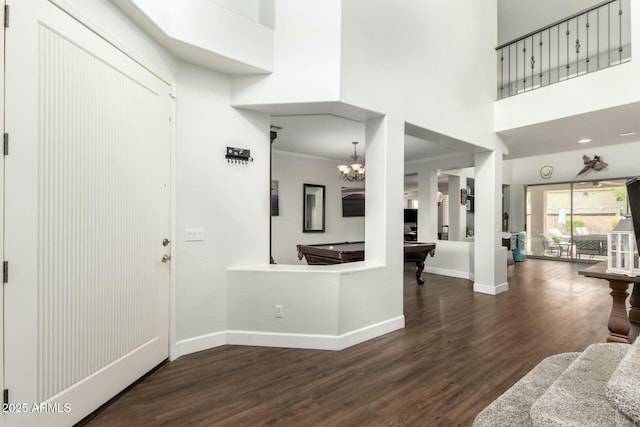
{"x": 310, "y": 131}
{"x": 603, "y": 127}
{"x": 330, "y": 137}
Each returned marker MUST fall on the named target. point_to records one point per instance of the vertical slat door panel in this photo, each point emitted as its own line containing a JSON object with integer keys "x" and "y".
{"x": 107, "y": 166}
{"x": 94, "y": 281}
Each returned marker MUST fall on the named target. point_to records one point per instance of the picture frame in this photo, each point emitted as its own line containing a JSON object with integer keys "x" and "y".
{"x": 353, "y": 202}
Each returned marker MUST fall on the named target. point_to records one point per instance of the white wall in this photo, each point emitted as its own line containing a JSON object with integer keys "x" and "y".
{"x": 230, "y": 202}
{"x": 369, "y": 299}
{"x": 247, "y": 8}
{"x": 353, "y": 52}
{"x": 206, "y": 33}
{"x": 306, "y": 60}
{"x": 324, "y": 307}
{"x": 292, "y": 171}
{"x": 519, "y": 17}
{"x": 260, "y": 11}
{"x": 428, "y": 61}
{"x": 454, "y": 259}
{"x": 612, "y": 87}
{"x": 316, "y": 300}
{"x": 622, "y": 160}
{"x": 119, "y": 28}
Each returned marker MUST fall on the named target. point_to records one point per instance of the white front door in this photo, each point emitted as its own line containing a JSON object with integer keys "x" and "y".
{"x": 86, "y": 210}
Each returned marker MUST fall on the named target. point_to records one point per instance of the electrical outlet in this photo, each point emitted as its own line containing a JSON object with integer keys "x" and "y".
{"x": 279, "y": 311}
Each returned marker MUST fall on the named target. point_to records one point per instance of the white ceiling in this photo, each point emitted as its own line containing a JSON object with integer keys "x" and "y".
{"x": 519, "y": 17}
{"x": 603, "y": 127}
{"x": 330, "y": 137}
{"x": 323, "y": 136}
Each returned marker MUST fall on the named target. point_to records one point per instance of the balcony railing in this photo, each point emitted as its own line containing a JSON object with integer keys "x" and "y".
{"x": 588, "y": 41}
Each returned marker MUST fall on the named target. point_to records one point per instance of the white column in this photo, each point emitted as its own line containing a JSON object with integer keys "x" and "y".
{"x": 538, "y": 218}
{"x": 384, "y": 186}
{"x": 457, "y": 211}
{"x": 490, "y": 266}
{"x": 427, "y": 206}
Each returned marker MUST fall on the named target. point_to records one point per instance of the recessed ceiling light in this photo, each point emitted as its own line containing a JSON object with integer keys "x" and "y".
{"x": 627, "y": 133}
{"x": 584, "y": 140}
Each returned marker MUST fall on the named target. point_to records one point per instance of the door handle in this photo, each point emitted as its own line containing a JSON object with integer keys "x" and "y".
{"x": 166, "y": 258}
{"x": 165, "y": 242}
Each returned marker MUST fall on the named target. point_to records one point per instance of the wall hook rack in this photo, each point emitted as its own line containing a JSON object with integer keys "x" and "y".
{"x": 238, "y": 155}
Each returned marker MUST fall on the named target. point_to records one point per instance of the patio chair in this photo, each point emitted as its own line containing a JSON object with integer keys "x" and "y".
{"x": 551, "y": 247}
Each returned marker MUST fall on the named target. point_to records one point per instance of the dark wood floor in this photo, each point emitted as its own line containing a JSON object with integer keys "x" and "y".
{"x": 458, "y": 352}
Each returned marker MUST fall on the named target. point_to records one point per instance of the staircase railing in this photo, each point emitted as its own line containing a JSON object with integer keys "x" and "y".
{"x": 591, "y": 40}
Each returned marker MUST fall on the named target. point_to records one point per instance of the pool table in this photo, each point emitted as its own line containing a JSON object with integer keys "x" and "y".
{"x": 338, "y": 253}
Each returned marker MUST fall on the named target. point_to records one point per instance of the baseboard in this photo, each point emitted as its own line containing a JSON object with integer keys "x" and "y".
{"x": 288, "y": 340}
{"x": 372, "y": 331}
{"x": 491, "y": 289}
{"x": 314, "y": 341}
{"x": 285, "y": 340}
{"x": 203, "y": 342}
{"x": 451, "y": 273}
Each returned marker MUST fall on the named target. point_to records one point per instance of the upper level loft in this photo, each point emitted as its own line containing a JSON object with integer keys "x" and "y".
{"x": 588, "y": 41}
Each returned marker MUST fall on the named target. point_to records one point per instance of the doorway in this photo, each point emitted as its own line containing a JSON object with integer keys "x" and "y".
{"x": 87, "y": 208}
{"x": 570, "y": 221}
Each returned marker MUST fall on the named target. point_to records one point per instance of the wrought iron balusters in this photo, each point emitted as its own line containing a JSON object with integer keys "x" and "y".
{"x": 563, "y": 37}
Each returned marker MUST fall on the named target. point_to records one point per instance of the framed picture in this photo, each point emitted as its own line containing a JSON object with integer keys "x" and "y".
{"x": 275, "y": 203}
{"x": 352, "y": 201}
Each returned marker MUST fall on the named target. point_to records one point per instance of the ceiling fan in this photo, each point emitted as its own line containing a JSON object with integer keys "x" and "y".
{"x": 596, "y": 164}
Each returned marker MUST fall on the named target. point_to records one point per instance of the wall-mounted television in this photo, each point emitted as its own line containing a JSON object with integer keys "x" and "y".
{"x": 411, "y": 216}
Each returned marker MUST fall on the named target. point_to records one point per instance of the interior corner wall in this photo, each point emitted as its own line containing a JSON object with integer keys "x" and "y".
{"x": 230, "y": 202}
{"x": 109, "y": 18}
{"x": 437, "y": 70}
{"x": 526, "y": 171}
{"x": 247, "y": 8}
{"x": 292, "y": 171}
{"x": 306, "y": 62}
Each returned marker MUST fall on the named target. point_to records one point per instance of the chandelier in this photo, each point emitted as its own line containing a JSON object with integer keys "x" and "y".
{"x": 355, "y": 171}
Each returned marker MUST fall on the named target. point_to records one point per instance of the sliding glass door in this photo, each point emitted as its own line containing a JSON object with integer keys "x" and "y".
{"x": 570, "y": 220}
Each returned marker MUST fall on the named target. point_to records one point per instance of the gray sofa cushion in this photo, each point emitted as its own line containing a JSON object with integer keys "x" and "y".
{"x": 512, "y": 407}
{"x": 577, "y": 397}
{"x": 623, "y": 389}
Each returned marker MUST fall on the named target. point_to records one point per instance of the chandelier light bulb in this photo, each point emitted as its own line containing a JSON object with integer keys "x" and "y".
{"x": 354, "y": 172}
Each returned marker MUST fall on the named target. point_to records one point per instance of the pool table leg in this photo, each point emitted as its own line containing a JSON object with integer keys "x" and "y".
{"x": 419, "y": 269}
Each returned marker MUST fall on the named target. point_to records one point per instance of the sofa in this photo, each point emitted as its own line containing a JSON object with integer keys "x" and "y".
{"x": 597, "y": 387}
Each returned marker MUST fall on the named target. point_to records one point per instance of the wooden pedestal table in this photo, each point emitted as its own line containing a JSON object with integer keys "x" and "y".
{"x": 618, "y": 321}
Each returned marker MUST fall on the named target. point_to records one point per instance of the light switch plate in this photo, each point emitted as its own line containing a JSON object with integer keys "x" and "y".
{"x": 194, "y": 234}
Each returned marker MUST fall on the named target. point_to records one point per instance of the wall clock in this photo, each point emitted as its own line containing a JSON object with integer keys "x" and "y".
{"x": 546, "y": 171}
